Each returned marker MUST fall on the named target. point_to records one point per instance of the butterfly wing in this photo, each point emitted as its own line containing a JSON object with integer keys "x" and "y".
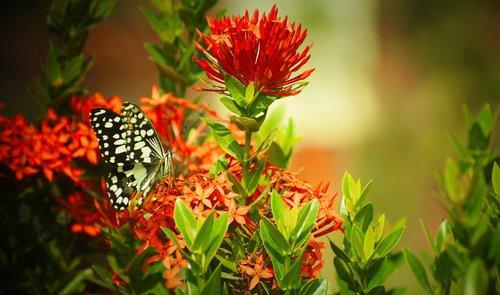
{"x": 110, "y": 132}
{"x": 130, "y": 144}
{"x": 143, "y": 143}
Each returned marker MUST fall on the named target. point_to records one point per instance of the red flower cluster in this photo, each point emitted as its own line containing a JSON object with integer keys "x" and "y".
{"x": 54, "y": 147}
{"x": 262, "y": 51}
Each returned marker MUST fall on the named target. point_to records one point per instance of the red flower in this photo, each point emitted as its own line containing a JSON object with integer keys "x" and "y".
{"x": 264, "y": 52}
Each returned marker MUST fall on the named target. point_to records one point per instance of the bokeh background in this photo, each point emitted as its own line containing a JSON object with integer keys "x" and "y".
{"x": 390, "y": 82}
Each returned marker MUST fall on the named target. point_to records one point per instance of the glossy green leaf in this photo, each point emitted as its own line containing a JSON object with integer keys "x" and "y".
{"x": 356, "y": 239}
{"x": 281, "y": 214}
{"x": 377, "y": 272}
{"x": 339, "y": 252}
{"x": 315, "y": 287}
{"x": 379, "y": 227}
{"x": 231, "y": 105}
{"x": 389, "y": 242}
{"x": 419, "y": 271}
{"x": 250, "y": 93}
{"x": 368, "y": 243}
{"x": 219, "y": 229}
{"x": 496, "y": 179}
{"x": 364, "y": 216}
{"x": 291, "y": 279}
{"x": 343, "y": 272}
{"x": 185, "y": 221}
{"x": 245, "y": 123}
{"x": 213, "y": 284}
{"x": 272, "y": 238}
{"x": 255, "y": 176}
{"x": 305, "y": 223}
{"x": 225, "y": 139}
{"x": 204, "y": 235}
{"x": 236, "y": 89}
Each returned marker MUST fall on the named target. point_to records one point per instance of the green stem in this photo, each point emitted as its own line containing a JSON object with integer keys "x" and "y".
{"x": 245, "y": 166}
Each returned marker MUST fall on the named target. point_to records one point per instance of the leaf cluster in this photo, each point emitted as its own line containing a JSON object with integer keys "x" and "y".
{"x": 465, "y": 254}
{"x": 367, "y": 257}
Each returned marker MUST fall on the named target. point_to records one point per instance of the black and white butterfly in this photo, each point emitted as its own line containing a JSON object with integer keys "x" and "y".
{"x": 130, "y": 145}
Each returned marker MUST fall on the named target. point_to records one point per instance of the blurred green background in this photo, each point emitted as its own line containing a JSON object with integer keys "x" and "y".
{"x": 390, "y": 82}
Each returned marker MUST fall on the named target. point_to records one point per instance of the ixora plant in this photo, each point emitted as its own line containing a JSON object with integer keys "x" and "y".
{"x": 183, "y": 200}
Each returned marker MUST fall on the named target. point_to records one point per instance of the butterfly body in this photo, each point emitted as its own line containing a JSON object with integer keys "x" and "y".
{"x": 131, "y": 147}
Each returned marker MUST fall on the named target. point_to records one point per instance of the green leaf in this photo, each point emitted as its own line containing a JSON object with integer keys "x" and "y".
{"x": 213, "y": 284}
{"x": 237, "y": 184}
{"x": 450, "y": 178}
{"x": 204, "y": 235}
{"x": 185, "y": 221}
{"x": 276, "y": 246}
{"x": 264, "y": 146}
{"x": 225, "y": 139}
{"x": 389, "y": 242}
{"x": 231, "y": 105}
{"x": 364, "y": 217}
{"x": 429, "y": 237}
{"x": 245, "y": 123}
{"x": 73, "y": 69}
{"x": 281, "y": 214}
{"x": 379, "y": 227}
{"x": 377, "y": 272}
{"x": 368, "y": 243}
{"x": 291, "y": 279}
{"x": 444, "y": 231}
{"x": 250, "y": 93}
{"x": 217, "y": 236}
{"x": 272, "y": 238}
{"x": 478, "y": 140}
{"x": 485, "y": 119}
{"x": 356, "y": 239}
{"x": 53, "y": 68}
{"x": 343, "y": 272}
{"x": 305, "y": 223}
{"x": 476, "y": 278}
{"x": 158, "y": 25}
{"x": 315, "y": 287}
{"x": 339, "y": 252}
{"x": 103, "y": 8}
{"x": 219, "y": 166}
{"x": 236, "y": 89}
{"x": 77, "y": 283}
{"x": 156, "y": 54}
{"x": 378, "y": 290}
{"x": 255, "y": 176}
{"x": 418, "y": 270}
{"x": 496, "y": 179}
{"x": 277, "y": 156}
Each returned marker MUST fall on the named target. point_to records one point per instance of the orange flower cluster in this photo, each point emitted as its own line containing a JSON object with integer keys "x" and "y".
{"x": 205, "y": 193}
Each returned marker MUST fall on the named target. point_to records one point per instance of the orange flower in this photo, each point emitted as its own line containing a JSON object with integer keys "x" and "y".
{"x": 255, "y": 267}
{"x": 262, "y": 51}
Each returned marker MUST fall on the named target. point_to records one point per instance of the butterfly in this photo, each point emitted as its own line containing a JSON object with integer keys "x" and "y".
{"x": 131, "y": 146}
